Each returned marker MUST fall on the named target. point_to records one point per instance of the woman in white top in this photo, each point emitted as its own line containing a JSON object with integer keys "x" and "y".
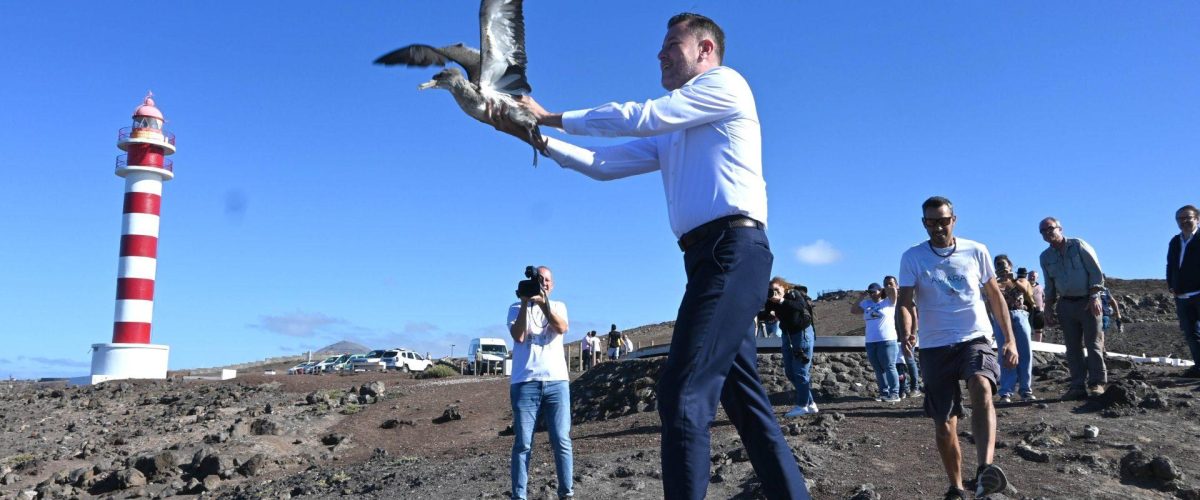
{"x": 878, "y": 308}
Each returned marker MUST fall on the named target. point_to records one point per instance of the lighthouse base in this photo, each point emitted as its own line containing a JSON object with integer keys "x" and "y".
{"x": 127, "y": 361}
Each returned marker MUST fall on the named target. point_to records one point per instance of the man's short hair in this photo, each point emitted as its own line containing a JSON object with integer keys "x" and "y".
{"x": 701, "y": 26}
{"x": 1190, "y": 208}
{"x": 935, "y": 202}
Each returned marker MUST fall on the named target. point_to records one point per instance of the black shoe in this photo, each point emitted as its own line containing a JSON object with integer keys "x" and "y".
{"x": 989, "y": 479}
{"x": 955, "y": 494}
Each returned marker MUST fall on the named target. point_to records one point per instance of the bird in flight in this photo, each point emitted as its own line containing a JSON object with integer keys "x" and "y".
{"x": 494, "y": 74}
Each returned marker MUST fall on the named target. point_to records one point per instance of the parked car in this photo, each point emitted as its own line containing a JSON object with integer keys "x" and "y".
{"x": 340, "y": 364}
{"x": 324, "y": 365}
{"x": 370, "y": 361}
{"x": 348, "y": 365}
{"x": 488, "y": 351}
{"x": 298, "y": 369}
{"x": 405, "y": 360}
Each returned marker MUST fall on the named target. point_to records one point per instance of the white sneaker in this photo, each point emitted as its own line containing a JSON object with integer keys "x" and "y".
{"x": 798, "y": 411}
{"x": 892, "y": 399}
{"x": 812, "y": 407}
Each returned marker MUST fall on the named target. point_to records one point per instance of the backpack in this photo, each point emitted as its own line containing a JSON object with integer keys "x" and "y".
{"x": 806, "y": 316}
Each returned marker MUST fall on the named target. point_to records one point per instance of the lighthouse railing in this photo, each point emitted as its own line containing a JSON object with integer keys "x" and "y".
{"x": 123, "y": 162}
{"x": 127, "y": 133}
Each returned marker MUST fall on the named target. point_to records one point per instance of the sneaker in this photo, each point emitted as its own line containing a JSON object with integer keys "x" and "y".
{"x": 989, "y": 479}
{"x": 812, "y": 407}
{"x": 878, "y": 399}
{"x": 891, "y": 399}
{"x": 1006, "y": 398}
{"x": 916, "y": 393}
{"x": 798, "y": 411}
{"x": 1095, "y": 391}
{"x": 1028, "y": 397}
{"x": 955, "y": 494}
{"x": 1074, "y": 394}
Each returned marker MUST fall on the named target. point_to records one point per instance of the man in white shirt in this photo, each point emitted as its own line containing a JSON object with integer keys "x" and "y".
{"x": 540, "y": 382}
{"x": 704, "y": 139}
{"x": 947, "y": 278}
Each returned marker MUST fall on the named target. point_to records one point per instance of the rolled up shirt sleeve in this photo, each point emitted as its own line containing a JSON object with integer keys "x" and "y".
{"x": 710, "y": 97}
{"x": 1092, "y": 265}
{"x": 607, "y": 162}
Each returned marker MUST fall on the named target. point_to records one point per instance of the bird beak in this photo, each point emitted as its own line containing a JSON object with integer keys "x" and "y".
{"x": 427, "y": 85}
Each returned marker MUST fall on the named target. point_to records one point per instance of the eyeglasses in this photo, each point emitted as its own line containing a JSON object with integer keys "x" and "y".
{"x": 937, "y": 221}
{"x": 1048, "y": 229}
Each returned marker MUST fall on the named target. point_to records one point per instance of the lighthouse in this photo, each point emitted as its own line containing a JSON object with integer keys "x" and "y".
{"x": 145, "y": 167}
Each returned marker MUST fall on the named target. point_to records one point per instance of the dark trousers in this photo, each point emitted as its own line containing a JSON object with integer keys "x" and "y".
{"x": 1188, "y": 311}
{"x": 713, "y": 358}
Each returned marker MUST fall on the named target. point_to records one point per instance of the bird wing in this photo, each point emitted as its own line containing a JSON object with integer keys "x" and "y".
{"x": 425, "y": 55}
{"x": 502, "y": 35}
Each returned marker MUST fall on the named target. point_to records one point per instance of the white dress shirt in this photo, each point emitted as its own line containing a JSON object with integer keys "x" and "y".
{"x": 704, "y": 137}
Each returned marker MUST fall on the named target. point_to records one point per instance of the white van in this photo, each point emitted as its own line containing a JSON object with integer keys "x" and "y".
{"x": 488, "y": 351}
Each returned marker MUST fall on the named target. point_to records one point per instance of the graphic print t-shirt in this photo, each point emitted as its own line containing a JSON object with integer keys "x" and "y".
{"x": 949, "y": 291}
{"x": 880, "y": 318}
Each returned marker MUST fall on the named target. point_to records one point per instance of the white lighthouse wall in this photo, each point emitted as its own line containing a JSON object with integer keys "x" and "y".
{"x": 140, "y": 224}
{"x": 128, "y": 361}
{"x": 134, "y": 311}
{"x": 143, "y": 182}
{"x": 137, "y": 267}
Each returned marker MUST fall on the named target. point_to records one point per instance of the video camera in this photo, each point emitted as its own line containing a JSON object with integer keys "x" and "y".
{"x": 532, "y": 286}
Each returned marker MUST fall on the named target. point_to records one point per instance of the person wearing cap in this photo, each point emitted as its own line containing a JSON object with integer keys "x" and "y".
{"x": 1073, "y": 285}
{"x": 1183, "y": 280}
{"x": 1018, "y": 296}
{"x": 878, "y": 309}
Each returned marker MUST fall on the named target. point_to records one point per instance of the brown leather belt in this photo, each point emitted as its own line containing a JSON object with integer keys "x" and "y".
{"x": 704, "y": 231}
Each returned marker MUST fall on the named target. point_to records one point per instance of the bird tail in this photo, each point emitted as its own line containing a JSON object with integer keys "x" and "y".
{"x": 539, "y": 144}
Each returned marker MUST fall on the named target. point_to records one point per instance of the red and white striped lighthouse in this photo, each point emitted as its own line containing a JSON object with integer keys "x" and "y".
{"x": 145, "y": 168}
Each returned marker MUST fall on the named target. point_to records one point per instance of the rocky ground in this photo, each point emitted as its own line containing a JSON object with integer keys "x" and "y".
{"x": 389, "y": 435}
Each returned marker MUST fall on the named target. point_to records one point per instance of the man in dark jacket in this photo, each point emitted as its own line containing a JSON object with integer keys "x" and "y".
{"x": 794, "y": 311}
{"x": 1183, "y": 280}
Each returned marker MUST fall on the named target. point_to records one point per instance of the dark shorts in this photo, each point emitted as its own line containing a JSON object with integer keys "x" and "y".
{"x": 942, "y": 368}
{"x": 1037, "y": 319}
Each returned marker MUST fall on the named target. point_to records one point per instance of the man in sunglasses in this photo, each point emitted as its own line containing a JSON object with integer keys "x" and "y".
{"x": 948, "y": 278}
{"x": 1074, "y": 282}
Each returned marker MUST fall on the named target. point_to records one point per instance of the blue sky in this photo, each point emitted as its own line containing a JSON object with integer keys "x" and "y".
{"x": 318, "y": 197}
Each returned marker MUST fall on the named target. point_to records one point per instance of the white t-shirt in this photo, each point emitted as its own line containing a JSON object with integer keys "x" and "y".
{"x": 540, "y": 357}
{"x": 595, "y": 344}
{"x": 880, "y": 318}
{"x": 949, "y": 291}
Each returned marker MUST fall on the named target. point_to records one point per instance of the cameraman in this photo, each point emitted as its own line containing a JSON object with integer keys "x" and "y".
{"x": 794, "y": 311}
{"x": 540, "y": 382}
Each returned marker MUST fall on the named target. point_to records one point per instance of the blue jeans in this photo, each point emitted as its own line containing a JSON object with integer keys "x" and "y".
{"x": 553, "y": 399}
{"x": 1023, "y": 373}
{"x": 796, "y": 370}
{"x": 713, "y": 358}
{"x": 914, "y": 373}
{"x": 768, "y": 330}
{"x": 882, "y": 356}
{"x": 1188, "y": 311}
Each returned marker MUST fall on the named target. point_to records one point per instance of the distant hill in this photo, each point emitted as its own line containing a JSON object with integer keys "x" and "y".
{"x": 344, "y": 347}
